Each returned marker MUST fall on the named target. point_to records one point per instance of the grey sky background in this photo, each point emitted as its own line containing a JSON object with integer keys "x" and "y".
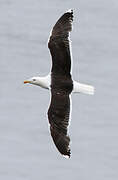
{"x": 26, "y": 148}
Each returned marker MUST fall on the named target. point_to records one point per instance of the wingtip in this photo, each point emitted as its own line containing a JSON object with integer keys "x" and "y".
{"x": 61, "y": 141}
{"x": 69, "y": 11}
{"x": 66, "y": 156}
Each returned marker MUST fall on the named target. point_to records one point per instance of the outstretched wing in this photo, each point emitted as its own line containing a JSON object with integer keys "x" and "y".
{"x": 58, "y": 115}
{"x": 59, "y": 45}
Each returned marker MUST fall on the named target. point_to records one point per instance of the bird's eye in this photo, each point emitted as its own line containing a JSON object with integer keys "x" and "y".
{"x": 34, "y": 79}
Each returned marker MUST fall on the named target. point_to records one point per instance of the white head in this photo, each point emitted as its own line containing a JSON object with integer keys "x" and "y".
{"x": 43, "y": 82}
{"x": 33, "y": 80}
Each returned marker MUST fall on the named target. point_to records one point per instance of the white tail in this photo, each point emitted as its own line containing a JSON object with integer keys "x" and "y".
{"x": 83, "y": 88}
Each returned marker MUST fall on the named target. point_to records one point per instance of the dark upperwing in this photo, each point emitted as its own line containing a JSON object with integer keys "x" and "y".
{"x": 58, "y": 115}
{"x": 59, "y": 45}
{"x": 61, "y": 83}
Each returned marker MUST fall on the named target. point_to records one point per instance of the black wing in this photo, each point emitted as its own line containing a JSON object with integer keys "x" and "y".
{"x": 59, "y": 45}
{"x": 58, "y": 115}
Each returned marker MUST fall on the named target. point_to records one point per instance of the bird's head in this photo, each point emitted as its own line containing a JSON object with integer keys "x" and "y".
{"x": 33, "y": 80}
{"x": 43, "y": 82}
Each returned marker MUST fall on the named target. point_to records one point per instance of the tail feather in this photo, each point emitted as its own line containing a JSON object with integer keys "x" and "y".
{"x": 83, "y": 88}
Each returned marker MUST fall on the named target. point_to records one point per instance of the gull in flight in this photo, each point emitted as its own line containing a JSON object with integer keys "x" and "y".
{"x": 60, "y": 83}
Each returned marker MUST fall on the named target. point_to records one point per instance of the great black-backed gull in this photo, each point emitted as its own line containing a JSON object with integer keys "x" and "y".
{"x": 60, "y": 82}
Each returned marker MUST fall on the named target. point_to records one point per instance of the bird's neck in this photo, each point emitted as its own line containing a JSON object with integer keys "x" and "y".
{"x": 44, "y": 82}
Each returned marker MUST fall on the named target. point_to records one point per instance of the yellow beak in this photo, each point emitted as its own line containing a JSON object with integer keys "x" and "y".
{"x": 26, "y": 81}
